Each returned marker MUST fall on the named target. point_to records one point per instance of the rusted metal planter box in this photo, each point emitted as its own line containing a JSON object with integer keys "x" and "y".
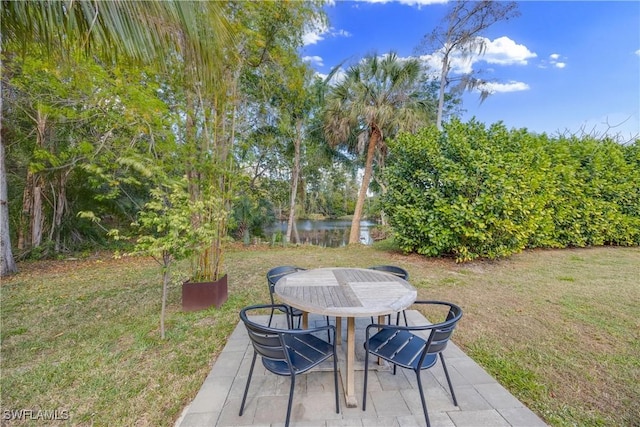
{"x": 202, "y": 295}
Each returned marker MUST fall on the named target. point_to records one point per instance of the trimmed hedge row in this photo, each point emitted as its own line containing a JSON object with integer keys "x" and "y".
{"x": 477, "y": 192}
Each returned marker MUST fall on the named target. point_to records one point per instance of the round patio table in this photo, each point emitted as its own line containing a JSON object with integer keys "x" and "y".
{"x": 350, "y": 293}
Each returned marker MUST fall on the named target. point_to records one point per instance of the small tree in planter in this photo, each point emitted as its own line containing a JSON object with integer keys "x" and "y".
{"x": 166, "y": 233}
{"x": 207, "y": 284}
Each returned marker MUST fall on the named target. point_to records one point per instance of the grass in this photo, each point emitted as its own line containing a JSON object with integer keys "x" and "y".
{"x": 559, "y": 328}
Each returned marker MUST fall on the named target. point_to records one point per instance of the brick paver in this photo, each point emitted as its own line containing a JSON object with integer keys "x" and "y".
{"x": 391, "y": 400}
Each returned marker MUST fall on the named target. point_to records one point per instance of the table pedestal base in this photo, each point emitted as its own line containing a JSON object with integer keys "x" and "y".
{"x": 347, "y": 357}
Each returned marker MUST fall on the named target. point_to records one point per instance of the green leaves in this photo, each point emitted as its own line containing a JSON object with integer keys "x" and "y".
{"x": 165, "y": 224}
{"x": 474, "y": 192}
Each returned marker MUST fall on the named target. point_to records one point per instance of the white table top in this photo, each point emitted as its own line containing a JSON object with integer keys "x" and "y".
{"x": 346, "y": 292}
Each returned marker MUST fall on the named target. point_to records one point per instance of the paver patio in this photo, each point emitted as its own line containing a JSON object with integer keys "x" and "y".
{"x": 393, "y": 400}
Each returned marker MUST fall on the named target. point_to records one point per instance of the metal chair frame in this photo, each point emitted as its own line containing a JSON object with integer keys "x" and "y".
{"x": 273, "y": 276}
{"x": 288, "y": 352}
{"x": 399, "y": 346}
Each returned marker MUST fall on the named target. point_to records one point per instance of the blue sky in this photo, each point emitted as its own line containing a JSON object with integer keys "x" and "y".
{"x": 562, "y": 66}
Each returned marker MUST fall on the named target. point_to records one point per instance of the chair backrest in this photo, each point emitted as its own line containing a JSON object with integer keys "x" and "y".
{"x": 266, "y": 340}
{"x": 276, "y": 273}
{"x": 398, "y": 271}
{"x": 441, "y": 332}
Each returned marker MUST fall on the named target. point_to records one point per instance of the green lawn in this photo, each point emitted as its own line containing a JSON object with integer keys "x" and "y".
{"x": 559, "y": 328}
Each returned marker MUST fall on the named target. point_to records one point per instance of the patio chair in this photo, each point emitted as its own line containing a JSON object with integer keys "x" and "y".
{"x": 396, "y": 271}
{"x": 288, "y": 352}
{"x": 399, "y": 346}
{"x": 273, "y": 276}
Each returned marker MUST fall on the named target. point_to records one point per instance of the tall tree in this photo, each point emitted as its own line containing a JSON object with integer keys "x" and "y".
{"x": 277, "y": 102}
{"x": 7, "y": 262}
{"x": 302, "y": 102}
{"x": 377, "y": 98}
{"x": 459, "y": 33}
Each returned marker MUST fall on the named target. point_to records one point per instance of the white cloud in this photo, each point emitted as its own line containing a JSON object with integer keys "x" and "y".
{"x": 638, "y": 52}
{"x": 318, "y": 32}
{"x": 314, "y": 36}
{"x": 337, "y": 77}
{"x": 512, "y": 86}
{"x": 341, "y": 33}
{"x": 504, "y": 51}
{"x": 554, "y": 61}
{"x": 317, "y": 60}
{"x": 501, "y": 51}
{"x": 315, "y": 32}
{"x": 311, "y": 38}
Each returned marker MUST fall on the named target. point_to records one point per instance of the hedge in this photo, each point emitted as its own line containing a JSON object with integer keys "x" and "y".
{"x": 475, "y": 192}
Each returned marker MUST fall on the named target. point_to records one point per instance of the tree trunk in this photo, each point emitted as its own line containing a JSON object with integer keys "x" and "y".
{"x": 60, "y": 208}
{"x": 37, "y": 219}
{"x": 166, "y": 262}
{"x": 294, "y": 180}
{"x": 443, "y": 84}
{"x": 354, "y": 235}
{"x": 7, "y": 263}
{"x": 24, "y": 233}
{"x": 32, "y": 218}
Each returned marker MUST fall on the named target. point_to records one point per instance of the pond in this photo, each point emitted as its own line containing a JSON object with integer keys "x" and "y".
{"x": 325, "y": 233}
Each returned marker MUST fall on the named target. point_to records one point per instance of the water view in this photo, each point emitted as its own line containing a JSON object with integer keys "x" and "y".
{"x": 325, "y": 233}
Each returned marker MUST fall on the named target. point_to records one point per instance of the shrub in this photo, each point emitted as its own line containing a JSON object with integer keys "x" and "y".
{"x": 471, "y": 191}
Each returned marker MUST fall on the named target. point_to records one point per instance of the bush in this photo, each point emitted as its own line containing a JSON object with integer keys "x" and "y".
{"x": 471, "y": 191}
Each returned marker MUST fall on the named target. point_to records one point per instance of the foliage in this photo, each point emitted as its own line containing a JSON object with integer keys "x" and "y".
{"x": 473, "y": 192}
{"x": 185, "y": 114}
{"x": 163, "y": 228}
{"x": 251, "y": 211}
{"x": 69, "y": 128}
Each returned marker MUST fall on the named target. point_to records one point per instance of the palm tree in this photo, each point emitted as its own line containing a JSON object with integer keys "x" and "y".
{"x": 143, "y": 31}
{"x": 377, "y": 98}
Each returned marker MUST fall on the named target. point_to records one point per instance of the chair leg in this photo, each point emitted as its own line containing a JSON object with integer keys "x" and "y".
{"x": 388, "y": 316}
{"x": 424, "y": 403}
{"x": 366, "y": 375}
{"x": 246, "y": 388}
{"x": 404, "y": 314}
{"x": 328, "y": 333}
{"x": 293, "y": 384}
{"x": 446, "y": 373}
{"x": 335, "y": 376}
